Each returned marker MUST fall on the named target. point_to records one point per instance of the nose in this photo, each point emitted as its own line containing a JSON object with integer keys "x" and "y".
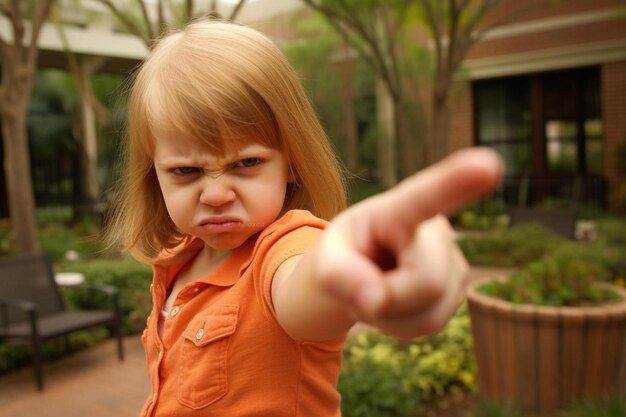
{"x": 216, "y": 191}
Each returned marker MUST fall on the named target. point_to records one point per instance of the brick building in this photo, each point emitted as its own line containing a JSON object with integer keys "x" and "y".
{"x": 548, "y": 91}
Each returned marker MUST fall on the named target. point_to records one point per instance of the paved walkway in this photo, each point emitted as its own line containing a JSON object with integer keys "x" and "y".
{"x": 93, "y": 383}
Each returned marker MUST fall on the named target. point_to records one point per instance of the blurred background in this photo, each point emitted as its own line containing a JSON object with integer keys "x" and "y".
{"x": 397, "y": 84}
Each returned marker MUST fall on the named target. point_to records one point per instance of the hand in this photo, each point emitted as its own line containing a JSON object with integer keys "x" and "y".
{"x": 392, "y": 259}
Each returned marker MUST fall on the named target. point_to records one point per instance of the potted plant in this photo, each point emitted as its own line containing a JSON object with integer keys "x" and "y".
{"x": 550, "y": 334}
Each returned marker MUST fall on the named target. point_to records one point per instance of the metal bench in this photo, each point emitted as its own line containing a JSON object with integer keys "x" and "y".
{"x": 32, "y": 309}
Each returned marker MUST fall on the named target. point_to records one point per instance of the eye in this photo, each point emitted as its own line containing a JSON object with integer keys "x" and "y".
{"x": 248, "y": 163}
{"x": 185, "y": 170}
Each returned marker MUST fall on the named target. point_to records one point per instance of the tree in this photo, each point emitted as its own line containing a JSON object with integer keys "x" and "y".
{"x": 454, "y": 26}
{"x": 19, "y": 63}
{"x": 169, "y": 13}
{"x": 88, "y": 111}
{"x": 374, "y": 29}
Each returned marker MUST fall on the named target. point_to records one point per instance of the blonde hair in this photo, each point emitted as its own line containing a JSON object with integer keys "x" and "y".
{"x": 218, "y": 83}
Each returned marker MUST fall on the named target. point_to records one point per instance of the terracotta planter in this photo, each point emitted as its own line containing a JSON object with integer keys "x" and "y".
{"x": 544, "y": 358}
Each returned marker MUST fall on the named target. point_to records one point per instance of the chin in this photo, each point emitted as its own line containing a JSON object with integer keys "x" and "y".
{"x": 223, "y": 243}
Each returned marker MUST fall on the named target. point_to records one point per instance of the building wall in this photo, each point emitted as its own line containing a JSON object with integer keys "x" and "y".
{"x": 577, "y": 33}
{"x": 614, "y": 115}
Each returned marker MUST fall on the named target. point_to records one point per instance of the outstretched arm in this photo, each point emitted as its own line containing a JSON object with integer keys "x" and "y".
{"x": 391, "y": 260}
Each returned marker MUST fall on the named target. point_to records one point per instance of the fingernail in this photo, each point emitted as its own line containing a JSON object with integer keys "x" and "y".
{"x": 370, "y": 299}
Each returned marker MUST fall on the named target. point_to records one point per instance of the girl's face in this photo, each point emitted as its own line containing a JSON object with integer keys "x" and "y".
{"x": 223, "y": 200}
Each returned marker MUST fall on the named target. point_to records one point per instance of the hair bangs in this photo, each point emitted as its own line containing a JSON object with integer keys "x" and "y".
{"x": 212, "y": 105}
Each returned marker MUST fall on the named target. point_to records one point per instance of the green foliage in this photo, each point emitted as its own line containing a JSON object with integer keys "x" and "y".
{"x": 56, "y": 240}
{"x": 614, "y": 406}
{"x": 612, "y": 230}
{"x": 359, "y": 189}
{"x": 382, "y": 376}
{"x": 311, "y": 57}
{"x": 15, "y": 357}
{"x": 488, "y": 408}
{"x": 131, "y": 278}
{"x": 610, "y": 257}
{"x": 565, "y": 277}
{"x": 514, "y": 246}
{"x": 485, "y": 215}
{"x": 112, "y": 92}
{"x": 6, "y": 243}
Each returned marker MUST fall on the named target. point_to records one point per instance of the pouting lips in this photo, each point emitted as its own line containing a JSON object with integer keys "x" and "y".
{"x": 221, "y": 224}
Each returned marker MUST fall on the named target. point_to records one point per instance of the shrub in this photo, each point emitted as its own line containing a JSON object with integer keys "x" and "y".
{"x": 488, "y": 408}
{"x": 131, "y": 278}
{"x": 383, "y": 376}
{"x": 484, "y": 215}
{"x": 565, "y": 277}
{"x": 610, "y": 407}
{"x": 13, "y": 357}
{"x": 6, "y": 243}
{"x": 612, "y": 230}
{"x": 514, "y": 246}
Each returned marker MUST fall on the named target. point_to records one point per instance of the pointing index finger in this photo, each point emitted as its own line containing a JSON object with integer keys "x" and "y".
{"x": 446, "y": 186}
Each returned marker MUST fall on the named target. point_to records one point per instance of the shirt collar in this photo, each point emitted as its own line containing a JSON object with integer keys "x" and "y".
{"x": 226, "y": 274}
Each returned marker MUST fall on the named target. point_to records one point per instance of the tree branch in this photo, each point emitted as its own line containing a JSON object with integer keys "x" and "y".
{"x": 435, "y": 28}
{"x": 454, "y": 32}
{"x": 83, "y": 84}
{"x": 149, "y": 38}
{"x": 130, "y": 25}
{"x": 188, "y": 9}
{"x": 350, "y": 19}
{"x": 337, "y": 22}
{"x": 39, "y": 18}
{"x": 390, "y": 26}
{"x": 236, "y": 10}
{"x": 161, "y": 24}
{"x": 6, "y": 11}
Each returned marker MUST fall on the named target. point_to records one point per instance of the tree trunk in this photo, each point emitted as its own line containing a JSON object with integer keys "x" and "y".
{"x": 440, "y": 119}
{"x": 346, "y": 68}
{"x": 385, "y": 112}
{"x": 19, "y": 64}
{"x": 18, "y": 176}
{"x": 88, "y": 138}
{"x": 406, "y": 141}
{"x": 440, "y": 131}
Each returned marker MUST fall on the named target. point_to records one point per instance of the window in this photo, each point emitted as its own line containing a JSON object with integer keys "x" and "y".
{"x": 504, "y": 120}
{"x": 543, "y": 124}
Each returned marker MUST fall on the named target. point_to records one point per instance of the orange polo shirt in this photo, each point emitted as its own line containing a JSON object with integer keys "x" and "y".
{"x": 223, "y": 352}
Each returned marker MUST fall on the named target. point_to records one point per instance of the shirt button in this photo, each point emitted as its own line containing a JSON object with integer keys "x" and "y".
{"x": 199, "y": 334}
{"x": 175, "y": 311}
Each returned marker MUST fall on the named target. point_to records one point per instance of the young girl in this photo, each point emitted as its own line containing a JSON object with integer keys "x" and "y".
{"x": 229, "y": 186}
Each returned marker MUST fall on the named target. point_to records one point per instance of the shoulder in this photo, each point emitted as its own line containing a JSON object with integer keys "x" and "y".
{"x": 293, "y": 233}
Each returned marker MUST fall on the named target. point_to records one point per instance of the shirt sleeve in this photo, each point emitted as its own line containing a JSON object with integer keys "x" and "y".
{"x": 294, "y": 234}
